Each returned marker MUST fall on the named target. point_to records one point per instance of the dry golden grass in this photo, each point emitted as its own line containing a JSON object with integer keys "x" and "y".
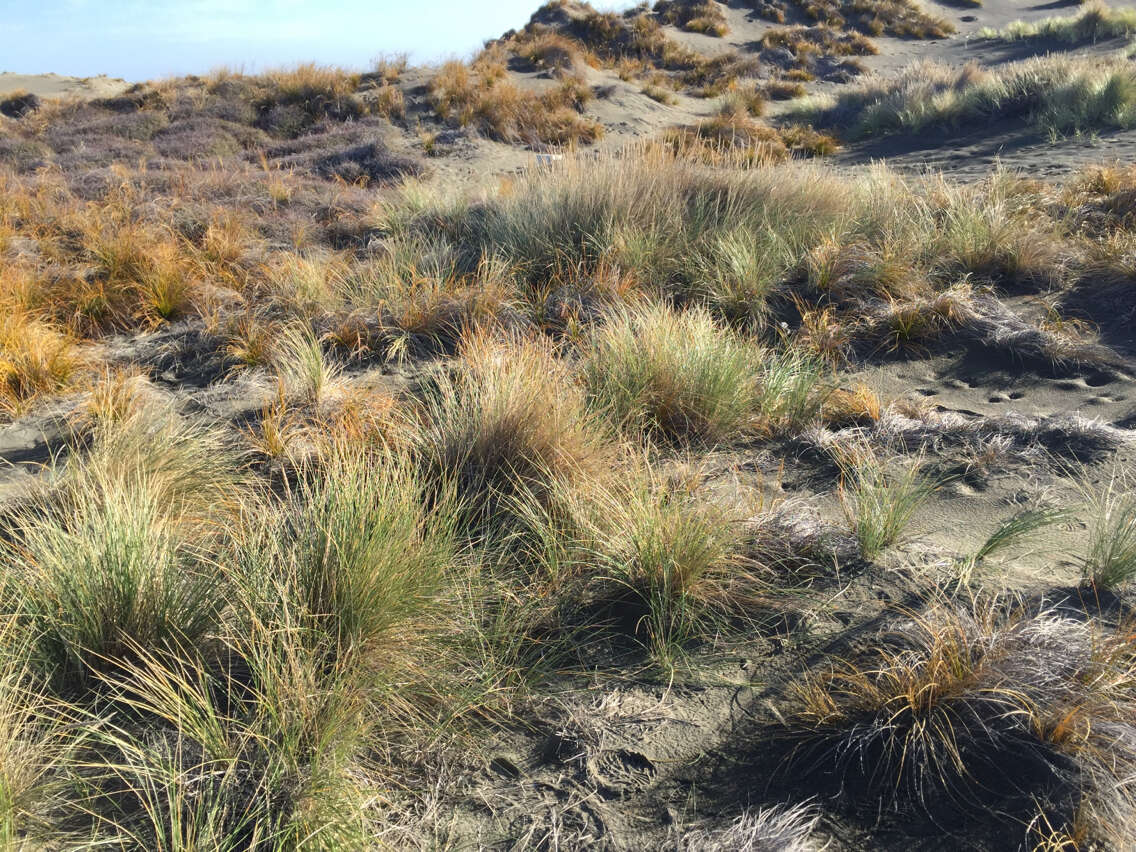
{"x": 822, "y": 40}
{"x": 389, "y": 101}
{"x": 696, "y": 16}
{"x": 36, "y": 360}
{"x": 553, "y": 51}
{"x": 480, "y": 97}
{"x": 784, "y": 90}
{"x": 310, "y": 82}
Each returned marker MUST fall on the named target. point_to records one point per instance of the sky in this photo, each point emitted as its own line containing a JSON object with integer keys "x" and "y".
{"x": 144, "y": 39}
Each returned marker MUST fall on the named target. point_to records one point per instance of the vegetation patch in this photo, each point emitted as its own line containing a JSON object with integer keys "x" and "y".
{"x": 1056, "y": 95}
{"x": 1096, "y": 22}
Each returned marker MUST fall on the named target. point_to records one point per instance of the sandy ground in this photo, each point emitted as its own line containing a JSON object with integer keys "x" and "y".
{"x": 57, "y": 86}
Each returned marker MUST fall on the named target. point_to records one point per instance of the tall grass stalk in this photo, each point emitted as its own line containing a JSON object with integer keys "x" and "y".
{"x": 1110, "y": 556}
{"x": 880, "y": 504}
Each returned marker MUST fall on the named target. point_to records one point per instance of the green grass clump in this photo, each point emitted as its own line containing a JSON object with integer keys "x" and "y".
{"x": 736, "y": 273}
{"x": 880, "y": 504}
{"x": 33, "y": 743}
{"x": 115, "y": 557}
{"x": 353, "y": 552}
{"x": 1096, "y": 22}
{"x": 305, "y": 371}
{"x": 647, "y": 555}
{"x": 672, "y": 375}
{"x": 1110, "y": 557}
{"x": 672, "y": 561}
{"x": 1057, "y": 95}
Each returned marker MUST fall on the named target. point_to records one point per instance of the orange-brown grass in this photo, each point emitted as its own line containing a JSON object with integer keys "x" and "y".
{"x": 310, "y": 80}
{"x": 745, "y": 99}
{"x": 501, "y": 109}
{"x": 784, "y": 90}
{"x": 912, "y": 710}
{"x": 972, "y": 710}
{"x": 36, "y": 360}
{"x": 871, "y": 17}
{"x": 138, "y": 276}
{"x": 1103, "y": 199}
{"x": 250, "y": 341}
{"x": 696, "y": 16}
{"x": 822, "y": 40}
{"x": 509, "y": 421}
{"x": 824, "y": 334}
{"x": 369, "y": 417}
{"x": 802, "y": 139}
{"x": 728, "y": 139}
{"x": 551, "y": 50}
{"x": 116, "y": 395}
{"x": 857, "y": 406}
{"x": 389, "y": 101}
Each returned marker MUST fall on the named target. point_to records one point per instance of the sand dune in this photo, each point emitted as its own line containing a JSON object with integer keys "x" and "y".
{"x": 57, "y": 85}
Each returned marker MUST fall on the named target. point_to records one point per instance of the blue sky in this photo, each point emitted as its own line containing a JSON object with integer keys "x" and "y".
{"x": 141, "y": 39}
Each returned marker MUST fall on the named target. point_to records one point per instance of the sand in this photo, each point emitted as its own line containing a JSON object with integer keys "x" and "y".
{"x": 58, "y": 86}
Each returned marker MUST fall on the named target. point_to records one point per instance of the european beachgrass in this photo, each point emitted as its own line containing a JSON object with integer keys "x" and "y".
{"x": 880, "y": 499}
{"x": 1057, "y": 94}
{"x": 1109, "y": 560}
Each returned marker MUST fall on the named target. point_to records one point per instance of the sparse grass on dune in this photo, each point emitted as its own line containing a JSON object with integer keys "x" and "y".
{"x": 495, "y": 428}
{"x": 1096, "y": 22}
{"x": 482, "y": 96}
{"x": 696, "y": 16}
{"x": 882, "y": 17}
{"x": 635, "y": 43}
{"x": 1057, "y": 95}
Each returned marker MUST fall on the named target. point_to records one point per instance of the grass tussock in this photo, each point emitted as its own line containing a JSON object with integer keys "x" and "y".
{"x": 672, "y": 375}
{"x": 111, "y": 559}
{"x": 887, "y": 17}
{"x": 964, "y": 711}
{"x": 1096, "y": 22}
{"x": 880, "y": 503}
{"x": 696, "y": 16}
{"x": 492, "y": 430}
{"x": 1110, "y": 557}
{"x": 480, "y": 96}
{"x": 635, "y": 44}
{"x": 36, "y": 360}
{"x": 1058, "y": 95}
